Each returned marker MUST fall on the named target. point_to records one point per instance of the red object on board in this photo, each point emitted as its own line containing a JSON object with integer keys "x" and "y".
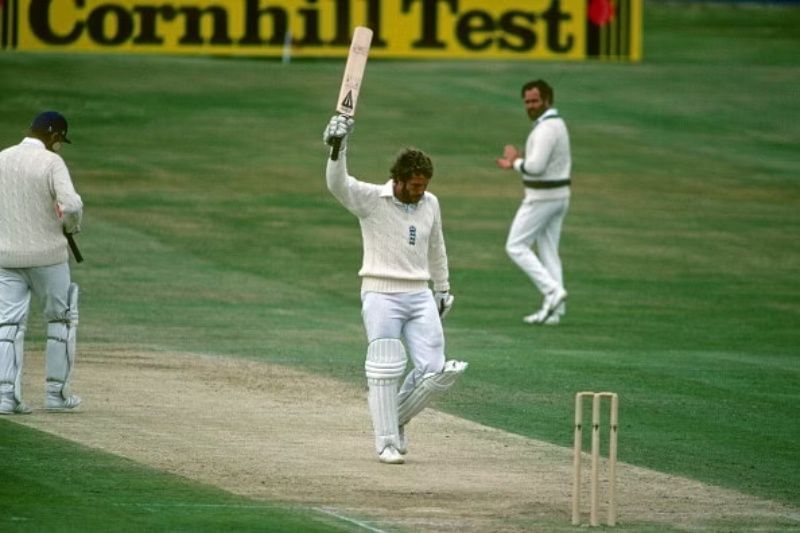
{"x": 601, "y": 12}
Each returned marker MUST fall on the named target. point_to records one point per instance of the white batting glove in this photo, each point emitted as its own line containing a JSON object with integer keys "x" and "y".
{"x": 339, "y": 127}
{"x": 444, "y": 302}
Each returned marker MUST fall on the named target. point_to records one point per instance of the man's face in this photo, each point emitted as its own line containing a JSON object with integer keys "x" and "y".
{"x": 534, "y": 104}
{"x": 411, "y": 191}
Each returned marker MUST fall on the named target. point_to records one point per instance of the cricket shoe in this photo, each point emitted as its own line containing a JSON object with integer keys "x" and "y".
{"x": 389, "y": 455}
{"x": 553, "y": 299}
{"x": 540, "y": 317}
{"x": 454, "y": 366}
{"x": 535, "y": 318}
{"x": 55, "y": 402}
{"x": 10, "y": 406}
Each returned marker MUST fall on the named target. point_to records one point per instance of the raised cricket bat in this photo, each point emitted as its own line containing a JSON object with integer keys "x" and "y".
{"x": 353, "y": 76}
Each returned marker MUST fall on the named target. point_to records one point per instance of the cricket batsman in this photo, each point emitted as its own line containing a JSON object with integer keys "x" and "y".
{"x": 403, "y": 251}
{"x": 38, "y": 206}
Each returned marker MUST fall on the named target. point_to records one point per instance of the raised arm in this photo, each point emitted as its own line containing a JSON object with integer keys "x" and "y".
{"x": 356, "y": 196}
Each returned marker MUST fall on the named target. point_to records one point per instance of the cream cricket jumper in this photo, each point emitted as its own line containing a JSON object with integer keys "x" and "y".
{"x": 403, "y": 243}
{"x": 547, "y": 157}
{"x": 32, "y": 181}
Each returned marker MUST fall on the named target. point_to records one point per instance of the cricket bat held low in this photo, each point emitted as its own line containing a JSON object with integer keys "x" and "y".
{"x": 73, "y": 246}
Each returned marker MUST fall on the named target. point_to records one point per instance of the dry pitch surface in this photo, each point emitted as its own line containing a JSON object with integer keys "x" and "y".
{"x": 273, "y": 433}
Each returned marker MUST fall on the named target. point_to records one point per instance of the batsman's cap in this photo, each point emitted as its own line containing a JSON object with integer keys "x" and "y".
{"x": 51, "y": 122}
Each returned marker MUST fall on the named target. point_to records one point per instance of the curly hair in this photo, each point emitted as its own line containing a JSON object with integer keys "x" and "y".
{"x": 546, "y": 92}
{"x": 411, "y": 161}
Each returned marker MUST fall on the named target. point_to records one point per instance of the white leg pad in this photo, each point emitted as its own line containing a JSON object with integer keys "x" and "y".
{"x": 428, "y": 388}
{"x": 10, "y": 359}
{"x": 385, "y": 365}
{"x": 19, "y": 350}
{"x": 61, "y": 346}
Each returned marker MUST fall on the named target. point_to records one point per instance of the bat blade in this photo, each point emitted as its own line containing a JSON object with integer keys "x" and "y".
{"x": 352, "y": 78}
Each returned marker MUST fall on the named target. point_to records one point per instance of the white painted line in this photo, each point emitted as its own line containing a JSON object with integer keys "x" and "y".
{"x": 330, "y": 512}
{"x": 348, "y": 519}
{"x": 200, "y": 505}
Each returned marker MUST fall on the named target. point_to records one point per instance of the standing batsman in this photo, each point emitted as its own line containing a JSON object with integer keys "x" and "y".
{"x": 401, "y": 229}
{"x": 38, "y": 205}
{"x": 545, "y": 168}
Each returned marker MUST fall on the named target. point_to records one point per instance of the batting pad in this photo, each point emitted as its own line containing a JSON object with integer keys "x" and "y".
{"x": 385, "y": 365}
{"x": 428, "y": 388}
{"x": 61, "y": 346}
{"x": 10, "y": 355}
{"x": 19, "y": 352}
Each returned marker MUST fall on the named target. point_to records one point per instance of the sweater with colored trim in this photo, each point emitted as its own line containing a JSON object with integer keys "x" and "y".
{"x": 547, "y": 156}
{"x": 403, "y": 244}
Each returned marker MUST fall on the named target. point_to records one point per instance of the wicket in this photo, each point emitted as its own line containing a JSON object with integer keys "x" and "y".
{"x": 595, "y": 473}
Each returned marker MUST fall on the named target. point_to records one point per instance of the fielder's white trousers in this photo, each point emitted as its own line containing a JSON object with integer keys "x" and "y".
{"x": 538, "y": 223}
{"x": 411, "y": 317}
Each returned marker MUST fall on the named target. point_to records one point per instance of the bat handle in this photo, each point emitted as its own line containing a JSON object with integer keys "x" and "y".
{"x": 335, "y": 145}
{"x": 74, "y": 247}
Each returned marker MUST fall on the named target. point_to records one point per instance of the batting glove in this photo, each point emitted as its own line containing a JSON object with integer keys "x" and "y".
{"x": 338, "y": 127}
{"x": 444, "y": 302}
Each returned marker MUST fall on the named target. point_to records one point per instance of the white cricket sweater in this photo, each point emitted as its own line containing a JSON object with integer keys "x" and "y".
{"x": 547, "y": 156}
{"x": 403, "y": 244}
{"x": 33, "y": 181}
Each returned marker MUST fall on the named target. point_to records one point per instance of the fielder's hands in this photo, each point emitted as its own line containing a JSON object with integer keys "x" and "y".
{"x": 510, "y": 154}
{"x": 339, "y": 127}
{"x": 444, "y": 302}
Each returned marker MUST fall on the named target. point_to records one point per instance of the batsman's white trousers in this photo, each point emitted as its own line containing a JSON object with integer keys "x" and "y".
{"x": 48, "y": 284}
{"x": 411, "y": 317}
{"x": 538, "y": 222}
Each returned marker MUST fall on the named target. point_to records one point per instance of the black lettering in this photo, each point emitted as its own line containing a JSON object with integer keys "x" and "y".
{"x": 527, "y": 37}
{"x": 430, "y": 18}
{"x": 473, "y": 22}
{"x": 342, "y": 37}
{"x": 113, "y": 23}
{"x": 310, "y": 26}
{"x": 554, "y": 16}
{"x": 39, "y": 17}
{"x": 374, "y": 23}
{"x": 97, "y": 23}
{"x": 252, "y": 21}
{"x": 192, "y": 31}
{"x": 148, "y": 19}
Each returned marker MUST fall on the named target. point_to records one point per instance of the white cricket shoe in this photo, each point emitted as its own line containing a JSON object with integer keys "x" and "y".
{"x": 549, "y": 315}
{"x": 552, "y": 300}
{"x": 10, "y": 406}
{"x": 540, "y": 317}
{"x": 552, "y": 320}
{"x": 535, "y": 318}
{"x": 454, "y": 366}
{"x": 391, "y": 456}
{"x": 54, "y": 402}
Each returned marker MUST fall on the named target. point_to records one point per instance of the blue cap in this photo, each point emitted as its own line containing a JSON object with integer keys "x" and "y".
{"x": 51, "y": 122}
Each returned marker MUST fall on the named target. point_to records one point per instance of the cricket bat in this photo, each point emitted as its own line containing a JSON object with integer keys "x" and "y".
{"x": 353, "y": 76}
{"x": 73, "y": 246}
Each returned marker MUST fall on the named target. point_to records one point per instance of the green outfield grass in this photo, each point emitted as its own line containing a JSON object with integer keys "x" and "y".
{"x": 207, "y": 214}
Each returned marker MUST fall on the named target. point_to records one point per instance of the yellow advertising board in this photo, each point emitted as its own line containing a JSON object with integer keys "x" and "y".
{"x": 451, "y": 29}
